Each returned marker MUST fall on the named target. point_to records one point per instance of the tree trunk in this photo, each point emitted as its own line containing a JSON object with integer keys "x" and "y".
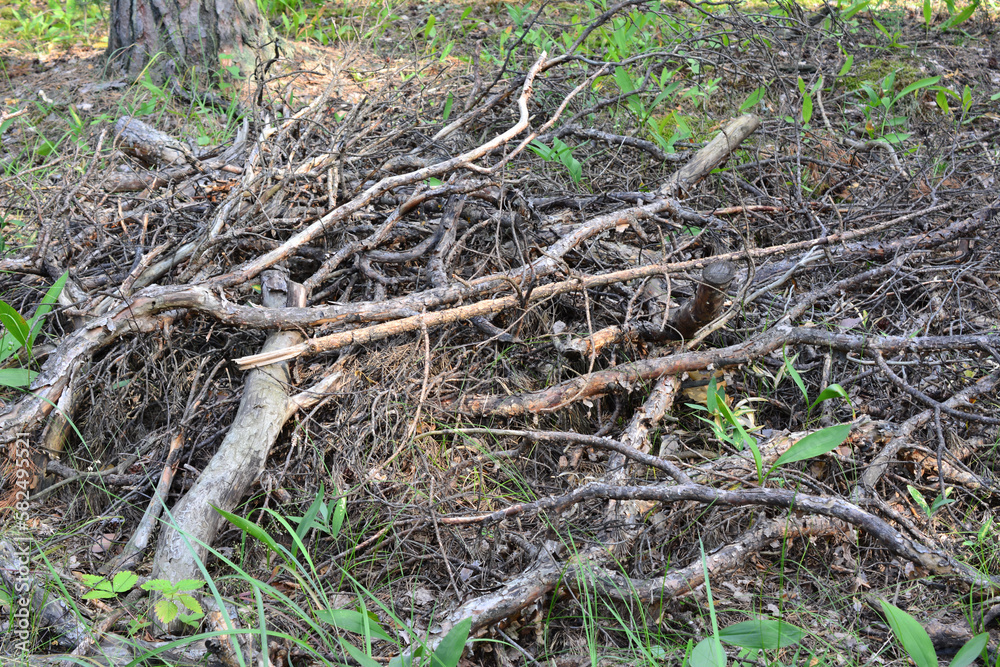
{"x": 175, "y": 35}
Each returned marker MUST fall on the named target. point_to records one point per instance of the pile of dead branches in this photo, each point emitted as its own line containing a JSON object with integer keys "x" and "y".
{"x": 400, "y": 307}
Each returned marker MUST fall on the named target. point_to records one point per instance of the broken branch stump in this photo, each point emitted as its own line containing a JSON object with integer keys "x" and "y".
{"x": 707, "y": 302}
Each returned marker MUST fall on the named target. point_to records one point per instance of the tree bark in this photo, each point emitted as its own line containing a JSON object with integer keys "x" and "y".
{"x": 175, "y": 35}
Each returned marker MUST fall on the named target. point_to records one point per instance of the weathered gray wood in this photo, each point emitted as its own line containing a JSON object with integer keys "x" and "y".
{"x": 710, "y": 157}
{"x": 240, "y": 459}
{"x": 149, "y": 144}
{"x": 46, "y": 611}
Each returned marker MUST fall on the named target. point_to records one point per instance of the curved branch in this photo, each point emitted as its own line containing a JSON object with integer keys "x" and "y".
{"x": 933, "y": 560}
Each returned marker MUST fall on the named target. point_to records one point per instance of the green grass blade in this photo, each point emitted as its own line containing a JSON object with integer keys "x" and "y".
{"x": 833, "y": 391}
{"x": 251, "y": 528}
{"x": 815, "y": 444}
{"x": 972, "y": 650}
{"x": 449, "y": 651}
{"x": 794, "y": 374}
{"x": 916, "y": 85}
{"x": 16, "y": 377}
{"x": 911, "y": 635}
{"x": 48, "y": 301}
{"x": 15, "y": 324}
{"x": 762, "y": 634}
{"x": 310, "y": 516}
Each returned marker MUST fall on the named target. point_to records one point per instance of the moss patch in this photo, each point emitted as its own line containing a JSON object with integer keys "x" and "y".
{"x": 878, "y": 69}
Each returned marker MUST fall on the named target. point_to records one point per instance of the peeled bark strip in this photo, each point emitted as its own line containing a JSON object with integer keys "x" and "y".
{"x": 193, "y": 522}
{"x": 624, "y": 516}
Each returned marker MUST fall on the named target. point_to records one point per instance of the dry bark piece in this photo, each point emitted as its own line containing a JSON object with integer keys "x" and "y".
{"x": 149, "y": 144}
{"x": 135, "y": 182}
{"x": 625, "y": 515}
{"x": 711, "y": 156}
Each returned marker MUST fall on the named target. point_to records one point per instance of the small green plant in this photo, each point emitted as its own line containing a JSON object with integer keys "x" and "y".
{"x": 64, "y": 22}
{"x": 892, "y": 36}
{"x": 7, "y": 220}
{"x": 955, "y": 17}
{"x": 918, "y": 646}
{"x": 848, "y": 13}
{"x": 965, "y": 99}
{"x": 561, "y": 153}
{"x": 728, "y": 427}
{"x": 449, "y": 101}
{"x": 815, "y": 444}
{"x": 982, "y": 536}
{"x": 700, "y": 93}
{"x": 157, "y": 95}
{"x": 535, "y": 36}
{"x": 103, "y": 588}
{"x": 882, "y": 99}
{"x": 174, "y": 598}
{"x": 937, "y": 504}
{"x": 359, "y": 621}
{"x": 833, "y": 391}
{"x": 848, "y": 63}
{"x": 807, "y": 99}
{"x": 753, "y": 637}
{"x": 753, "y": 98}
{"x": 726, "y": 424}
{"x": 321, "y": 517}
{"x": 758, "y": 635}
{"x": 708, "y": 652}
{"x": 21, "y": 333}
{"x": 136, "y": 625}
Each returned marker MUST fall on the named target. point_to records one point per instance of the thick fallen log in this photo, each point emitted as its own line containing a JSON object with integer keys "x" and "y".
{"x": 193, "y": 521}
